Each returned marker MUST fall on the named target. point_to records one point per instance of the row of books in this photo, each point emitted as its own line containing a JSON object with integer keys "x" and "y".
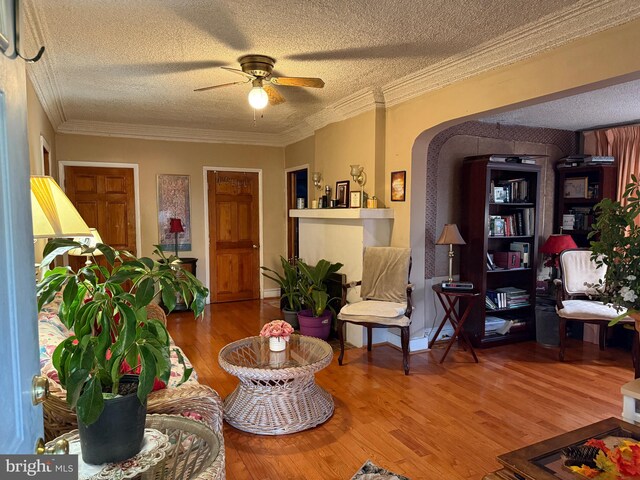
{"x": 519, "y": 223}
{"x": 509, "y": 191}
{"x": 586, "y": 160}
{"x": 578, "y": 218}
{"x": 501, "y": 326}
{"x": 506, "y": 297}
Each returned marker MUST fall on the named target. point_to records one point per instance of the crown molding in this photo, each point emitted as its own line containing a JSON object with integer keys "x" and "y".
{"x": 41, "y": 73}
{"x": 176, "y": 134}
{"x": 579, "y": 20}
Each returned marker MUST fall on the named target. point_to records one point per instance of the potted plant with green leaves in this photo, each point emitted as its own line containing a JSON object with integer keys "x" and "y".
{"x": 315, "y": 319}
{"x": 109, "y": 365}
{"x": 617, "y": 246}
{"x": 288, "y": 283}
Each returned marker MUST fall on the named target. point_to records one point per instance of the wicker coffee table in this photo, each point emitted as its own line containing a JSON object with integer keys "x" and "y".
{"x": 277, "y": 393}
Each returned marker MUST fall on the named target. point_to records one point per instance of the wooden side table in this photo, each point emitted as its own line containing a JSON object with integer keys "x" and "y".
{"x": 449, "y": 300}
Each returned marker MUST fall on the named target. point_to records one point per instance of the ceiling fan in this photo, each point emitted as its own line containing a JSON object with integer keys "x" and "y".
{"x": 258, "y": 69}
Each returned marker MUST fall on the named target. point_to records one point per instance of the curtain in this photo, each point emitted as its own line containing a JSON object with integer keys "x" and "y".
{"x": 623, "y": 143}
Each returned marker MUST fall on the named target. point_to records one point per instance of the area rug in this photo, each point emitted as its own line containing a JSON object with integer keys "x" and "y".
{"x": 370, "y": 471}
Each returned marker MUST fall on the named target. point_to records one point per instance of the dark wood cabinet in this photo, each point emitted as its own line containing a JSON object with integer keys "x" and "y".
{"x": 519, "y": 208}
{"x": 578, "y": 189}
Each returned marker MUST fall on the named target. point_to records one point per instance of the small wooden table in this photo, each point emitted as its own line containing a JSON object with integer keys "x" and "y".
{"x": 449, "y": 300}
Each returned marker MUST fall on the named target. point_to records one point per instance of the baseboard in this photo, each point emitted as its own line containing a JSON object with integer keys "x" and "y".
{"x": 415, "y": 344}
{"x": 270, "y": 293}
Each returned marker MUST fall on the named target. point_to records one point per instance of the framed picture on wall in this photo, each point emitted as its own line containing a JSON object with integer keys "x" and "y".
{"x": 398, "y": 187}
{"x": 342, "y": 194}
{"x": 174, "y": 202}
{"x": 355, "y": 199}
{"x": 576, "y": 187}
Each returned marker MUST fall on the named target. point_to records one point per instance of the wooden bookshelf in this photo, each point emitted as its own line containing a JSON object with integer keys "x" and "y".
{"x": 601, "y": 183}
{"x": 479, "y": 177}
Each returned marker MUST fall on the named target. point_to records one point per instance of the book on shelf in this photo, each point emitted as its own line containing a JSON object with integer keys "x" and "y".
{"x": 523, "y": 248}
{"x": 520, "y": 223}
{"x": 490, "y": 264}
{"x": 515, "y": 190}
{"x": 568, "y": 221}
{"x": 515, "y": 297}
{"x": 583, "y": 218}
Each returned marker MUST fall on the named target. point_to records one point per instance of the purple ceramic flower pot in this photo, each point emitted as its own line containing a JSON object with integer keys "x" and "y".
{"x": 319, "y": 327}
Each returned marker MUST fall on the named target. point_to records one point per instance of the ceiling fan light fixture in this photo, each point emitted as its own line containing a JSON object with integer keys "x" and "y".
{"x": 258, "y": 98}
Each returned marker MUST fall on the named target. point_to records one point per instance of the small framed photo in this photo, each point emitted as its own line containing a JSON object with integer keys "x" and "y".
{"x": 398, "y": 186}
{"x": 355, "y": 199}
{"x": 342, "y": 194}
{"x": 577, "y": 187}
{"x": 499, "y": 194}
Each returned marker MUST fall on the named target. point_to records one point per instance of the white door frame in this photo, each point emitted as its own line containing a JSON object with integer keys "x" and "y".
{"x": 136, "y": 187}
{"x": 45, "y": 145}
{"x": 205, "y": 171}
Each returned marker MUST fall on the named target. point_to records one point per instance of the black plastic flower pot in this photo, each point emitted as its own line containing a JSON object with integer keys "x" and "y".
{"x": 118, "y": 433}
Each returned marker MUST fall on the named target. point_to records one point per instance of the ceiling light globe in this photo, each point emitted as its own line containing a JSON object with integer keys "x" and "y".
{"x": 258, "y": 98}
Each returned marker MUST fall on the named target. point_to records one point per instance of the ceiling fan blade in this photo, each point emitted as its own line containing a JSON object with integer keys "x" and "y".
{"x": 274, "y": 95}
{"x": 297, "y": 82}
{"x": 239, "y": 72}
{"x": 219, "y": 86}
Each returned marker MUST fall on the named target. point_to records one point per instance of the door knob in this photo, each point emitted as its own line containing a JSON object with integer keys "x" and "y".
{"x": 59, "y": 447}
{"x": 255, "y": 246}
{"x": 39, "y": 389}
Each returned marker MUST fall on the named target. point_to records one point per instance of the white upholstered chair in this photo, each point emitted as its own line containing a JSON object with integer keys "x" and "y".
{"x": 386, "y": 297}
{"x": 573, "y": 302}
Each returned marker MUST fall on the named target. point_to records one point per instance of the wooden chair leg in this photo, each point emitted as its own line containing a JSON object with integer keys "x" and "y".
{"x": 602, "y": 331}
{"x": 563, "y": 338}
{"x": 635, "y": 354}
{"x": 369, "y": 338}
{"x": 404, "y": 340}
{"x": 341, "y": 337}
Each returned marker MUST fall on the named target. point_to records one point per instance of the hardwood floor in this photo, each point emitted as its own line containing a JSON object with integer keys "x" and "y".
{"x": 440, "y": 422}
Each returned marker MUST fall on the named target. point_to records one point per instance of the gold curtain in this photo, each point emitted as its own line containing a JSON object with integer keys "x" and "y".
{"x": 623, "y": 143}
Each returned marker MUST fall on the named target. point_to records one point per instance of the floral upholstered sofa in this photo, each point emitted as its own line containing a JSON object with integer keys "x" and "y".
{"x": 190, "y": 399}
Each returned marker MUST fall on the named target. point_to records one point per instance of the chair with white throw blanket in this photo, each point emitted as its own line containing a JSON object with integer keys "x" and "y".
{"x": 579, "y": 275}
{"x": 386, "y": 297}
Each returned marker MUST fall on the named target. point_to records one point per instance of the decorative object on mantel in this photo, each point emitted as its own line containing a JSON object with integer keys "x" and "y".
{"x": 317, "y": 179}
{"x": 342, "y": 193}
{"x": 371, "y": 471}
{"x": 175, "y": 227}
{"x": 358, "y": 175}
{"x": 398, "y": 186}
{"x": 355, "y": 199}
{"x": 90, "y": 241}
{"x": 618, "y": 248}
{"x": 174, "y": 202}
{"x": 450, "y": 236}
{"x": 278, "y": 332}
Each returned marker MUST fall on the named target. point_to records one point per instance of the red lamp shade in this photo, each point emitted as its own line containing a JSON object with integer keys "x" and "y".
{"x": 557, "y": 243}
{"x": 175, "y": 225}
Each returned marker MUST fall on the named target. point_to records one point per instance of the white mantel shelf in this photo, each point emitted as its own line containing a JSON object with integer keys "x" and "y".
{"x": 365, "y": 213}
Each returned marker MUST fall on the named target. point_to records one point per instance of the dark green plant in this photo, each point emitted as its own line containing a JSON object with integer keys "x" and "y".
{"x": 618, "y": 247}
{"x": 288, "y": 282}
{"x": 313, "y": 287}
{"x": 109, "y": 321}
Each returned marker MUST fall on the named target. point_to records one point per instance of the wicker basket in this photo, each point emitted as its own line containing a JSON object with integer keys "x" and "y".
{"x": 197, "y": 451}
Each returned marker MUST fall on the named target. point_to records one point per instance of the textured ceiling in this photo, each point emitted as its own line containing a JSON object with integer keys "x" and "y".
{"x": 611, "y": 105}
{"x": 137, "y": 62}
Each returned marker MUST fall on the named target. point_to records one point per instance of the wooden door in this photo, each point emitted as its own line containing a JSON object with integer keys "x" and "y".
{"x": 105, "y": 197}
{"x": 292, "y": 222}
{"x": 234, "y": 249}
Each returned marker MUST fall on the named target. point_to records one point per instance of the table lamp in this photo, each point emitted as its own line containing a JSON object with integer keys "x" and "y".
{"x": 175, "y": 226}
{"x": 554, "y": 246}
{"x": 90, "y": 241}
{"x": 53, "y": 215}
{"x": 450, "y": 236}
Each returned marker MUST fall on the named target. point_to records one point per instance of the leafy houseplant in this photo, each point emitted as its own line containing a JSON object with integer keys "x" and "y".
{"x": 618, "y": 247}
{"x": 112, "y": 335}
{"x": 288, "y": 282}
{"x": 316, "y": 320}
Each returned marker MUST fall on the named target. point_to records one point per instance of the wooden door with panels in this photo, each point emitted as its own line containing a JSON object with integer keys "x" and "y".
{"x": 234, "y": 249}
{"x": 105, "y": 197}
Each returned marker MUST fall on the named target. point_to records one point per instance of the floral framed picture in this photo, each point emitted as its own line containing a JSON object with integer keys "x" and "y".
{"x": 342, "y": 194}
{"x": 398, "y": 186}
{"x": 174, "y": 202}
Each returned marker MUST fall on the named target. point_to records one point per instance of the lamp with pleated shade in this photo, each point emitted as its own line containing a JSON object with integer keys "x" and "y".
{"x": 53, "y": 214}
{"x": 175, "y": 226}
{"x": 450, "y": 236}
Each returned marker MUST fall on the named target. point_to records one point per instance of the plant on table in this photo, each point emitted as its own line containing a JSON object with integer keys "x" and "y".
{"x": 112, "y": 335}
{"x": 618, "y": 247}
